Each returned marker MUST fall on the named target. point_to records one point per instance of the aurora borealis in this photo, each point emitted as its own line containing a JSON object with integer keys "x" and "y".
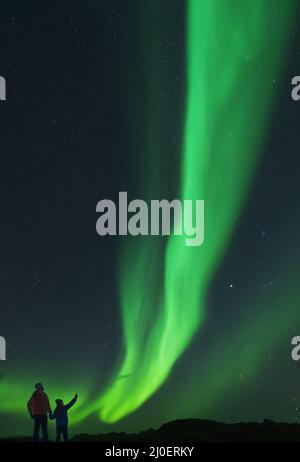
{"x": 219, "y": 153}
{"x": 171, "y": 102}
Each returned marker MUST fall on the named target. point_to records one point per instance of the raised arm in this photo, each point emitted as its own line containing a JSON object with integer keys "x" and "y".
{"x": 71, "y": 403}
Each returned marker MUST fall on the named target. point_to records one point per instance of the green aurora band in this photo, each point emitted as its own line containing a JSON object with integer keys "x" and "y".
{"x": 234, "y": 54}
{"x": 234, "y": 51}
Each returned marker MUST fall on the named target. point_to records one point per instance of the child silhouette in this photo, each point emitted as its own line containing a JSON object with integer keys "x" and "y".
{"x": 60, "y": 414}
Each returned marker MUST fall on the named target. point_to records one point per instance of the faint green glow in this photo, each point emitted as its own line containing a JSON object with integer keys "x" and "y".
{"x": 242, "y": 356}
{"x": 234, "y": 50}
{"x": 14, "y": 394}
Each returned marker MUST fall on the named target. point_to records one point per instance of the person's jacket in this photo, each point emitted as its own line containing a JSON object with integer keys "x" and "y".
{"x": 39, "y": 404}
{"x": 61, "y": 413}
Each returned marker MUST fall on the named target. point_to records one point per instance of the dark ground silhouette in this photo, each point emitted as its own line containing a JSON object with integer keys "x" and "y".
{"x": 197, "y": 430}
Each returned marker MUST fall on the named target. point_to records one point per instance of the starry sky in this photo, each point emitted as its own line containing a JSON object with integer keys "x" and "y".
{"x": 96, "y": 104}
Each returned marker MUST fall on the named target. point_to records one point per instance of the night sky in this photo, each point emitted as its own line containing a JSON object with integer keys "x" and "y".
{"x": 96, "y": 101}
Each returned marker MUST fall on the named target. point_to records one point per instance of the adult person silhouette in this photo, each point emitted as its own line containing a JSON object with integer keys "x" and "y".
{"x": 39, "y": 407}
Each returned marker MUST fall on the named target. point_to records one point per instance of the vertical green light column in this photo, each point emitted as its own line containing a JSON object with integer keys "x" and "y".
{"x": 234, "y": 51}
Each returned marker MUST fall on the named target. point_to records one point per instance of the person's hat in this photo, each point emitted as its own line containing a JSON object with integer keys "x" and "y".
{"x": 39, "y": 385}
